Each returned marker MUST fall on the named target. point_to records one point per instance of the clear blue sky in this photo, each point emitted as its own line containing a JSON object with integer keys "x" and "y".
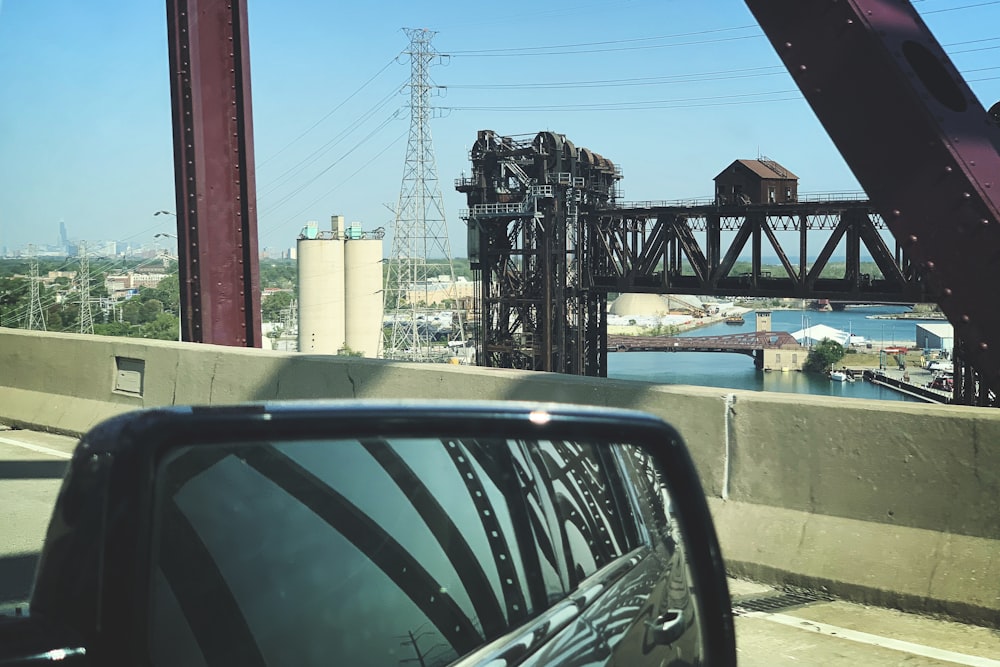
{"x": 85, "y": 131}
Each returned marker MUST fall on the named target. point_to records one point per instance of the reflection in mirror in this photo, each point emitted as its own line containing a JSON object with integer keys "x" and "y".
{"x": 417, "y": 551}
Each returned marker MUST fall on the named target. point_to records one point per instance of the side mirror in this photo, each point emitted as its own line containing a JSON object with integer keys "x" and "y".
{"x": 383, "y": 534}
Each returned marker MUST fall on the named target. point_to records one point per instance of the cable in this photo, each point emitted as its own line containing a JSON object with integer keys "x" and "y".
{"x": 626, "y": 105}
{"x": 611, "y": 50}
{"x": 721, "y": 75}
{"x": 584, "y": 107}
{"x": 955, "y": 9}
{"x": 329, "y": 145}
{"x": 332, "y": 111}
{"x": 284, "y": 200}
{"x": 340, "y": 183}
{"x": 616, "y": 41}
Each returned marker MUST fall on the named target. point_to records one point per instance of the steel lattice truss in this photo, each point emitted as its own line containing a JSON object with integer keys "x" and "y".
{"x": 680, "y": 250}
{"x": 744, "y": 343}
{"x": 527, "y": 201}
{"x": 550, "y": 244}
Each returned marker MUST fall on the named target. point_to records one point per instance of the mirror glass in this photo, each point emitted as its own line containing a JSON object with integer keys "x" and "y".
{"x": 422, "y": 551}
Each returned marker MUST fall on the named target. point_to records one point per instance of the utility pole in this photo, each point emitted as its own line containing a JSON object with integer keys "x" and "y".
{"x": 86, "y": 317}
{"x": 36, "y": 318}
{"x": 419, "y": 230}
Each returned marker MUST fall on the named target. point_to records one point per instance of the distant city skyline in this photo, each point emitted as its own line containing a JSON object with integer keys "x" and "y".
{"x": 670, "y": 91}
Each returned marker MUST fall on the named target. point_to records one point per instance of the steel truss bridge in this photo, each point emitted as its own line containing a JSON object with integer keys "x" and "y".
{"x": 671, "y": 249}
{"x": 751, "y": 344}
{"x": 550, "y": 242}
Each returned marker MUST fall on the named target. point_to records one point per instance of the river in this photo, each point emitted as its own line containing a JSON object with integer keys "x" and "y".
{"x": 736, "y": 371}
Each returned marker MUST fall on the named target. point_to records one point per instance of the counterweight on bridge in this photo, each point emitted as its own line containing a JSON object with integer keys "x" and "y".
{"x": 527, "y": 199}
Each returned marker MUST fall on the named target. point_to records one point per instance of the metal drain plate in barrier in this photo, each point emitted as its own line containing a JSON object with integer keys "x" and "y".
{"x": 772, "y": 603}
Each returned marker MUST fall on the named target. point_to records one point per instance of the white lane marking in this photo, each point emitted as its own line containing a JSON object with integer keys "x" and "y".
{"x": 874, "y": 640}
{"x": 36, "y": 448}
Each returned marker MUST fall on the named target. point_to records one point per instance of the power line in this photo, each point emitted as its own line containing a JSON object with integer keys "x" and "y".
{"x": 955, "y": 9}
{"x": 607, "y": 50}
{"x": 700, "y": 77}
{"x": 624, "y": 106}
{"x": 603, "y": 43}
{"x": 331, "y": 112}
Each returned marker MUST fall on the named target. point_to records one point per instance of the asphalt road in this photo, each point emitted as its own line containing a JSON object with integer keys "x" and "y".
{"x": 830, "y": 633}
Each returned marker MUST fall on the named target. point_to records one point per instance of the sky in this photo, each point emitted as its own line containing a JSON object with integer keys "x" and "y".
{"x": 671, "y": 91}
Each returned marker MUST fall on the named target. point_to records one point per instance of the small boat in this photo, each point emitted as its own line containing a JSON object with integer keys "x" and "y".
{"x": 735, "y": 319}
{"x": 838, "y": 376}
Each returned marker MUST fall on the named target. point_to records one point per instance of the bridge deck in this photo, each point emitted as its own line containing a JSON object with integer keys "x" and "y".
{"x": 744, "y": 343}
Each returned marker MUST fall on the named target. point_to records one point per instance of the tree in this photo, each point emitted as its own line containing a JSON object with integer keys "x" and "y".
{"x": 273, "y": 305}
{"x": 167, "y": 292}
{"x": 823, "y": 356}
{"x": 150, "y": 310}
{"x": 164, "y": 326}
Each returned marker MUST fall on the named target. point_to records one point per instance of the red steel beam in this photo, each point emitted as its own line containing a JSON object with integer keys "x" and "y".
{"x": 916, "y": 138}
{"x": 214, "y": 172}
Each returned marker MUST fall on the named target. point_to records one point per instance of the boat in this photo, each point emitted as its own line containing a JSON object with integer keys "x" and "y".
{"x": 735, "y": 319}
{"x": 839, "y": 376}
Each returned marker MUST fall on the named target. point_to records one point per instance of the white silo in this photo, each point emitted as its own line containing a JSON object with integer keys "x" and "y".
{"x": 321, "y": 291}
{"x": 363, "y": 292}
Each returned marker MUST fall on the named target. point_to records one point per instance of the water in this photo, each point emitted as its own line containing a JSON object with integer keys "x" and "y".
{"x": 736, "y": 371}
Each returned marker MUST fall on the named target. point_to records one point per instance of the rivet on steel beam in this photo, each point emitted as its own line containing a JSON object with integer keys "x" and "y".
{"x": 802, "y": 68}
{"x": 965, "y": 319}
{"x": 912, "y": 238}
{"x": 948, "y": 169}
{"x": 984, "y": 346}
{"x": 984, "y": 222}
{"x": 788, "y": 45}
{"x": 946, "y": 291}
{"x": 895, "y": 212}
{"x": 929, "y": 266}
{"x": 966, "y": 195}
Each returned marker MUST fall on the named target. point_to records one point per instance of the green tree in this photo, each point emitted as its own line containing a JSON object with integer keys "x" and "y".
{"x": 167, "y": 293}
{"x": 164, "y": 327}
{"x": 273, "y": 304}
{"x": 823, "y": 356}
{"x": 150, "y": 310}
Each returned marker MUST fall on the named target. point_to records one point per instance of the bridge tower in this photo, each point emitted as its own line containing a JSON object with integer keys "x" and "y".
{"x": 419, "y": 231}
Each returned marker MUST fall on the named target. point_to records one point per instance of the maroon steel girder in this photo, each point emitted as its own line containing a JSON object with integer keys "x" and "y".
{"x": 917, "y": 139}
{"x": 214, "y": 171}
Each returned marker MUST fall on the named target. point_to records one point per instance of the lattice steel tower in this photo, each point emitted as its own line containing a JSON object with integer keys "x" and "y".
{"x": 86, "y": 317}
{"x": 36, "y": 316}
{"x": 419, "y": 230}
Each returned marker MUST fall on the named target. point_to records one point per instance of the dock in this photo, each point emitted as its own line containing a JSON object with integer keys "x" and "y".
{"x": 910, "y": 382}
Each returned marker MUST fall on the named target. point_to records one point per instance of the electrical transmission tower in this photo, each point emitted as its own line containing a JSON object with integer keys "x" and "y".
{"x": 419, "y": 230}
{"x": 86, "y": 317}
{"x": 36, "y": 317}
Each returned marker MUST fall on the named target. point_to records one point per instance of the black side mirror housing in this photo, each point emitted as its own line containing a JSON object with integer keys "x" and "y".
{"x": 314, "y": 532}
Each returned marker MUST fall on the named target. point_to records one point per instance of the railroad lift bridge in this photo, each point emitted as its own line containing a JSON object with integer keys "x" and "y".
{"x": 551, "y": 240}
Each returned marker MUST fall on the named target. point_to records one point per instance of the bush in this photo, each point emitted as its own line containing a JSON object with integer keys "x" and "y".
{"x": 823, "y": 356}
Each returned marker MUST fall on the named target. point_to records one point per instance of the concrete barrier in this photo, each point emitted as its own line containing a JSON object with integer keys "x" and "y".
{"x": 890, "y": 503}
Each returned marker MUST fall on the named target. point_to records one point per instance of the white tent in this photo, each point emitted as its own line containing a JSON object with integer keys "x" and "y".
{"x": 818, "y": 332}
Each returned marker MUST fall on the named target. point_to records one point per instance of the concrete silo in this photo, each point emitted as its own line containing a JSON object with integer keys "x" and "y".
{"x": 321, "y": 289}
{"x": 363, "y": 292}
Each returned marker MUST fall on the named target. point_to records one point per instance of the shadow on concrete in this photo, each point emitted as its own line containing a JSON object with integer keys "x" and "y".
{"x": 33, "y": 469}
{"x": 16, "y": 576}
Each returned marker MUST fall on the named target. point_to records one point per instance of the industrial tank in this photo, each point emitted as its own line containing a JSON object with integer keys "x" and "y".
{"x": 321, "y": 295}
{"x": 363, "y": 295}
